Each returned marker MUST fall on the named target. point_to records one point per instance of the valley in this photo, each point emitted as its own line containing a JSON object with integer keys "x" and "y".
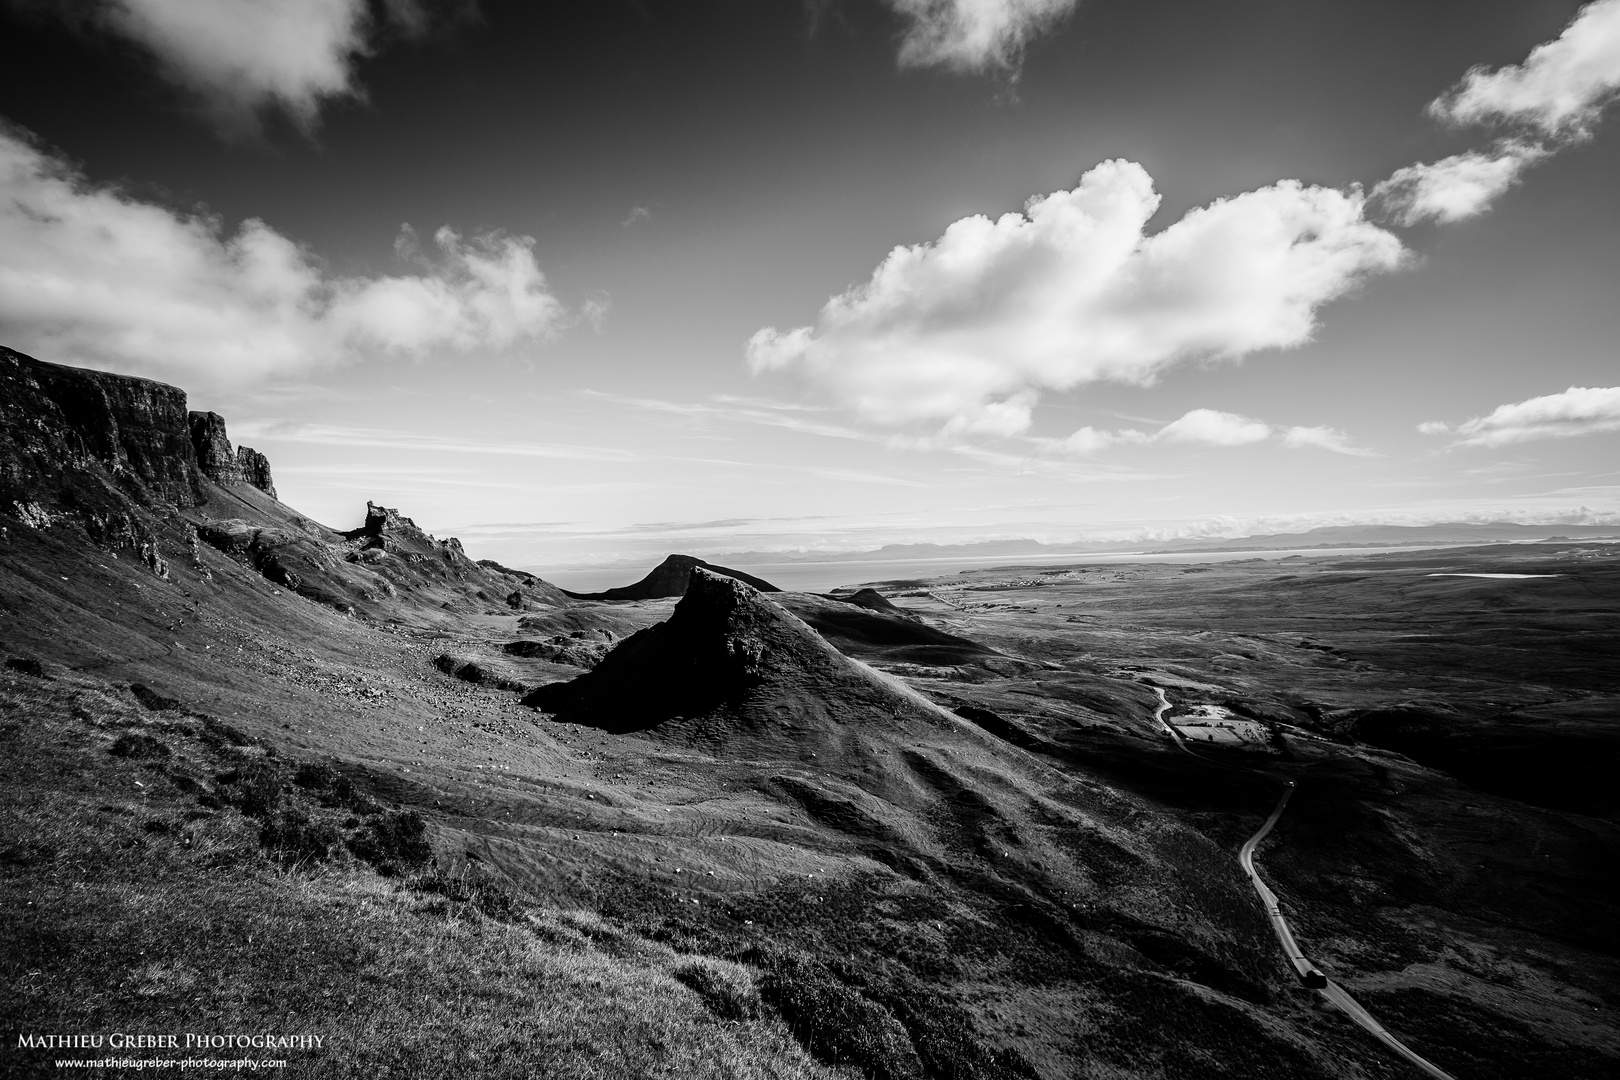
{"x": 910, "y": 828}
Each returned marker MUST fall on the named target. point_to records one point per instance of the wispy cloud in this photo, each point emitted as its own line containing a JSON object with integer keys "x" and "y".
{"x": 1580, "y": 410}
{"x": 637, "y": 214}
{"x": 239, "y": 58}
{"x": 89, "y": 273}
{"x": 383, "y": 438}
{"x": 1458, "y": 187}
{"x": 974, "y": 35}
{"x": 739, "y": 410}
{"x": 1209, "y": 427}
{"x": 1552, "y": 100}
{"x": 862, "y": 476}
{"x": 1323, "y": 438}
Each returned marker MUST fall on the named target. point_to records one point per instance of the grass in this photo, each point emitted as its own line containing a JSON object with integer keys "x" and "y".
{"x": 208, "y": 889}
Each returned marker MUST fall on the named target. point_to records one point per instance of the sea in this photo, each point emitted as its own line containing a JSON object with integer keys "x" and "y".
{"x": 807, "y": 576}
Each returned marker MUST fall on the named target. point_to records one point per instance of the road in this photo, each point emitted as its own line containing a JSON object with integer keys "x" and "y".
{"x": 1309, "y": 974}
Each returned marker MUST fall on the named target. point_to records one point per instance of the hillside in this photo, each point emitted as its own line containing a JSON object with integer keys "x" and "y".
{"x": 265, "y": 772}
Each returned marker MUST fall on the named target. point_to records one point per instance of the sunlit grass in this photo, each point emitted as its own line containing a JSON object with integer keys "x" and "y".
{"x": 127, "y": 906}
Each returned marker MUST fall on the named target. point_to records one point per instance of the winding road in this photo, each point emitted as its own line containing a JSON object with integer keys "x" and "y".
{"x": 1309, "y": 974}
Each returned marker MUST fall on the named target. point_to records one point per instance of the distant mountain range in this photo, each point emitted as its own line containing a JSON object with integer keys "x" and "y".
{"x": 1331, "y": 536}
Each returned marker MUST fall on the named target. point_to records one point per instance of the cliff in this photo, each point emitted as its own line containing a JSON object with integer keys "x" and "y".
{"x": 125, "y": 461}
{"x": 105, "y": 450}
{"x": 219, "y": 462}
{"x": 255, "y": 468}
{"x": 81, "y": 443}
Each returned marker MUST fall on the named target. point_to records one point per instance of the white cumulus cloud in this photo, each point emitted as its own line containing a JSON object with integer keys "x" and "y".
{"x": 1580, "y": 410}
{"x": 974, "y": 35}
{"x": 966, "y": 330}
{"x": 90, "y": 274}
{"x": 1215, "y": 428}
{"x": 1458, "y": 187}
{"x": 1552, "y": 100}
{"x": 1560, "y": 89}
{"x": 1208, "y": 427}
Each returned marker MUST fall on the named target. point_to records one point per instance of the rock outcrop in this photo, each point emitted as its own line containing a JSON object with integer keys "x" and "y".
{"x": 214, "y": 454}
{"x": 110, "y": 453}
{"x": 387, "y": 561}
{"x": 124, "y": 460}
{"x": 870, "y": 599}
{"x": 669, "y": 578}
{"x": 731, "y": 663}
{"x": 220, "y": 463}
{"x": 84, "y": 444}
{"x": 581, "y": 649}
{"x": 255, "y": 469}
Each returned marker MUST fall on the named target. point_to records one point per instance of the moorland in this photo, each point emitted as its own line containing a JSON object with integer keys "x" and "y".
{"x": 262, "y": 774}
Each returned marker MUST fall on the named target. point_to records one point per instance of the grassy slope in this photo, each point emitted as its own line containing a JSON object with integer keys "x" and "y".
{"x": 130, "y": 907}
{"x": 1475, "y": 911}
{"x": 666, "y": 854}
{"x": 716, "y": 857}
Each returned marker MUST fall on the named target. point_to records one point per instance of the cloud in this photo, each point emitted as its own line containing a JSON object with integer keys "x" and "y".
{"x": 637, "y": 214}
{"x": 967, "y": 330}
{"x": 241, "y": 57}
{"x": 1089, "y": 440}
{"x": 1552, "y": 100}
{"x": 1322, "y": 438}
{"x": 1561, "y": 88}
{"x": 88, "y": 273}
{"x": 974, "y": 35}
{"x": 1215, "y": 428}
{"x": 1580, "y": 410}
{"x": 391, "y": 439}
{"x": 1458, "y": 187}
{"x": 1208, "y": 427}
{"x": 730, "y": 409}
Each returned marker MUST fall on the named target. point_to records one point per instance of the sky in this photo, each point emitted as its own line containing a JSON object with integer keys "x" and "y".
{"x": 586, "y": 282}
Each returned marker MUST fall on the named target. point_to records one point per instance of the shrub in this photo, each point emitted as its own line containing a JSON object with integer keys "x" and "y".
{"x": 257, "y": 788}
{"x": 475, "y": 887}
{"x": 839, "y": 1026}
{"x": 334, "y": 789}
{"x": 947, "y": 1041}
{"x": 728, "y": 995}
{"x": 134, "y": 745}
{"x": 393, "y": 842}
{"x": 152, "y": 699}
{"x": 217, "y": 734}
{"x": 292, "y": 837}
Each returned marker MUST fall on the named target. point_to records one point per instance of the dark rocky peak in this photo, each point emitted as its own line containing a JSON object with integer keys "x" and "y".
{"x": 870, "y": 599}
{"x": 733, "y": 662}
{"x": 220, "y": 463}
{"x": 214, "y": 454}
{"x": 255, "y": 469}
{"x": 386, "y": 529}
{"x": 89, "y": 442}
{"x": 669, "y": 578}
